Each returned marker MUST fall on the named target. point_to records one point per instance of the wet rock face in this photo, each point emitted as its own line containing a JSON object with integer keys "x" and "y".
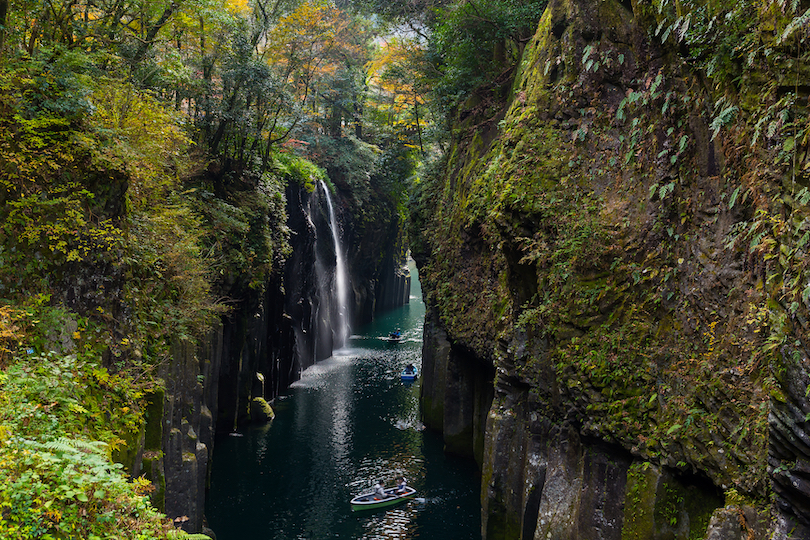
{"x": 637, "y": 390}
{"x": 379, "y": 279}
{"x": 456, "y": 393}
{"x": 789, "y": 451}
{"x": 303, "y": 301}
{"x": 186, "y": 431}
{"x": 540, "y": 480}
{"x": 545, "y": 480}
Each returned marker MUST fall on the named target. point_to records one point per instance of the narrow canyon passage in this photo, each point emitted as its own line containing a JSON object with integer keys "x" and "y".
{"x": 348, "y": 422}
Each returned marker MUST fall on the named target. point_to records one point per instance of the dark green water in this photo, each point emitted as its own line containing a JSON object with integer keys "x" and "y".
{"x": 348, "y": 421}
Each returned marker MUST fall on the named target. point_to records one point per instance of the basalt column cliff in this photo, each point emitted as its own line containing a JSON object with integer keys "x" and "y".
{"x": 615, "y": 264}
{"x": 258, "y": 349}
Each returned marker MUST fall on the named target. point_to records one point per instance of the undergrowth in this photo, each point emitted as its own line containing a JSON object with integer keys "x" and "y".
{"x": 62, "y": 417}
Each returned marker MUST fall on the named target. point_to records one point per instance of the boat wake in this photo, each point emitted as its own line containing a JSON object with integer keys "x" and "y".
{"x": 405, "y": 424}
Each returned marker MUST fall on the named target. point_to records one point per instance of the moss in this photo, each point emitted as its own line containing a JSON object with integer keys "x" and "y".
{"x": 659, "y": 505}
{"x": 127, "y": 453}
{"x": 501, "y": 525}
{"x": 153, "y": 469}
{"x": 153, "y": 438}
{"x": 182, "y": 535}
{"x": 260, "y": 410}
{"x": 639, "y": 503}
{"x": 699, "y": 505}
{"x": 609, "y": 224}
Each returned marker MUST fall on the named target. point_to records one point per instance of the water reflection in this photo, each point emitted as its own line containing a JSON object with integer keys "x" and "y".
{"x": 348, "y": 422}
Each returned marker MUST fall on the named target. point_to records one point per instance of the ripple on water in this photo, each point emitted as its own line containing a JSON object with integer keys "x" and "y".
{"x": 391, "y": 524}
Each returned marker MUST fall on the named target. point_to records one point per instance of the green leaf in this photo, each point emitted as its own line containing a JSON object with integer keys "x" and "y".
{"x": 806, "y": 294}
{"x": 587, "y": 52}
{"x": 734, "y": 197}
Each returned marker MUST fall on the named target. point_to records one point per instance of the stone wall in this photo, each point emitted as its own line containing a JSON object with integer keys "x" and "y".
{"x": 456, "y": 393}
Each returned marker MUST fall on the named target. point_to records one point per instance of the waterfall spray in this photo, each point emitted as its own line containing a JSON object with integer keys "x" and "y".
{"x": 340, "y": 326}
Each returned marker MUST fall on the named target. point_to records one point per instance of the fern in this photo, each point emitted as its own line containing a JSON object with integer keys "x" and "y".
{"x": 66, "y": 444}
{"x": 723, "y": 119}
{"x": 798, "y": 22}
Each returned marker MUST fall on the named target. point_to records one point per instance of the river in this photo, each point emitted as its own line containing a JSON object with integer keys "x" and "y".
{"x": 349, "y": 421}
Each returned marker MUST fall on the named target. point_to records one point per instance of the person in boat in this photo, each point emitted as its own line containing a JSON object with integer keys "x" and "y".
{"x": 379, "y": 491}
{"x": 401, "y": 484}
{"x": 410, "y": 368}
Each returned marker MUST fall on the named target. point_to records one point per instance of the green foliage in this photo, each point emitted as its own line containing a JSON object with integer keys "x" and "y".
{"x": 136, "y": 133}
{"x": 68, "y": 488}
{"x": 46, "y": 215}
{"x": 62, "y": 416}
{"x": 353, "y": 161}
{"x": 474, "y": 41}
{"x": 45, "y": 396}
{"x": 396, "y": 172}
{"x": 298, "y": 171}
{"x": 168, "y": 280}
{"x": 46, "y": 231}
{"x": 247, "y": 235}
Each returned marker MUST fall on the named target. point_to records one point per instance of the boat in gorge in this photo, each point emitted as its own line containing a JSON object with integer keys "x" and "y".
{"x": 546, "y": 259}
{"x": 347, "y": 419}
{"x": 410, "y": 373}
{"x": 372, "y": 501}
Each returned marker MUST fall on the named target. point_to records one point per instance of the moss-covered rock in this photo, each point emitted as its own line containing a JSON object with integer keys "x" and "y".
{"x": 628, "y": 263}
{"x": 153, "y": 431}
{"x": 659, "y": 505}
{"x": 260, "y": 411}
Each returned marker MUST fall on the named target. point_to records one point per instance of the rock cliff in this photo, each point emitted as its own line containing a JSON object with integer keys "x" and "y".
{"x": 614, "y": 262}
{"x": 256, "y": 351}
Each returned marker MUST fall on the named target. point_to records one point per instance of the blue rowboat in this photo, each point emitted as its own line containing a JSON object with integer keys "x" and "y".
{"x": 372, "y": 501}
{"x": 409, "y": 375}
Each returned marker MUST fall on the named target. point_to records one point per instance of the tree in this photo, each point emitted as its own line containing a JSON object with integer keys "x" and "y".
{"x": 474, "y": 40}
{"x": 395, "y": 73}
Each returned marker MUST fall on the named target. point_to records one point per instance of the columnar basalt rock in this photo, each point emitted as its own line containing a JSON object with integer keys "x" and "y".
{"x": 257, "y": 351}
{"x": 649, "y": 380}
{"x": 456, "y": 393}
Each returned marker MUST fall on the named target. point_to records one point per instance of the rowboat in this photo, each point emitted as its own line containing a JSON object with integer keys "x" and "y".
{"x": 395, "y": 337}
{"x": 410, "y": 375}
{"x": 372, "y": 501}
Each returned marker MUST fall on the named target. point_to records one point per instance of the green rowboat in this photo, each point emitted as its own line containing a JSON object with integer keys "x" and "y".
{"x": 372, "y": 501}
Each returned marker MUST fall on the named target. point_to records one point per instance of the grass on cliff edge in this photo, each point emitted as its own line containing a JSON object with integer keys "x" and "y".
{"x": 61, "y": 419}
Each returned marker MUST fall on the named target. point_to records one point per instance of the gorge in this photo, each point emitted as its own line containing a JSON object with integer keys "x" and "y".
{"x": 607, "y": 202}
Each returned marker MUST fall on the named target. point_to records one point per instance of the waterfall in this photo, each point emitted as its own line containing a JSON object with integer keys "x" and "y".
{"x": 340, "y": 323}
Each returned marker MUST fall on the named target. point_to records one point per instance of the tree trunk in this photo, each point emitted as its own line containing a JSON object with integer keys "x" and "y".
{"x": 152, "y": 32}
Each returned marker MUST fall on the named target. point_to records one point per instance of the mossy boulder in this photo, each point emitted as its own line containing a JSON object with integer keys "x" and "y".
{"x": 260, "y": 411}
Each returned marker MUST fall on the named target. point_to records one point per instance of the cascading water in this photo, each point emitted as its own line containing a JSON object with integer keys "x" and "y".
{"x": 318, "y": 282}
{"x": 340, "y": 319}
